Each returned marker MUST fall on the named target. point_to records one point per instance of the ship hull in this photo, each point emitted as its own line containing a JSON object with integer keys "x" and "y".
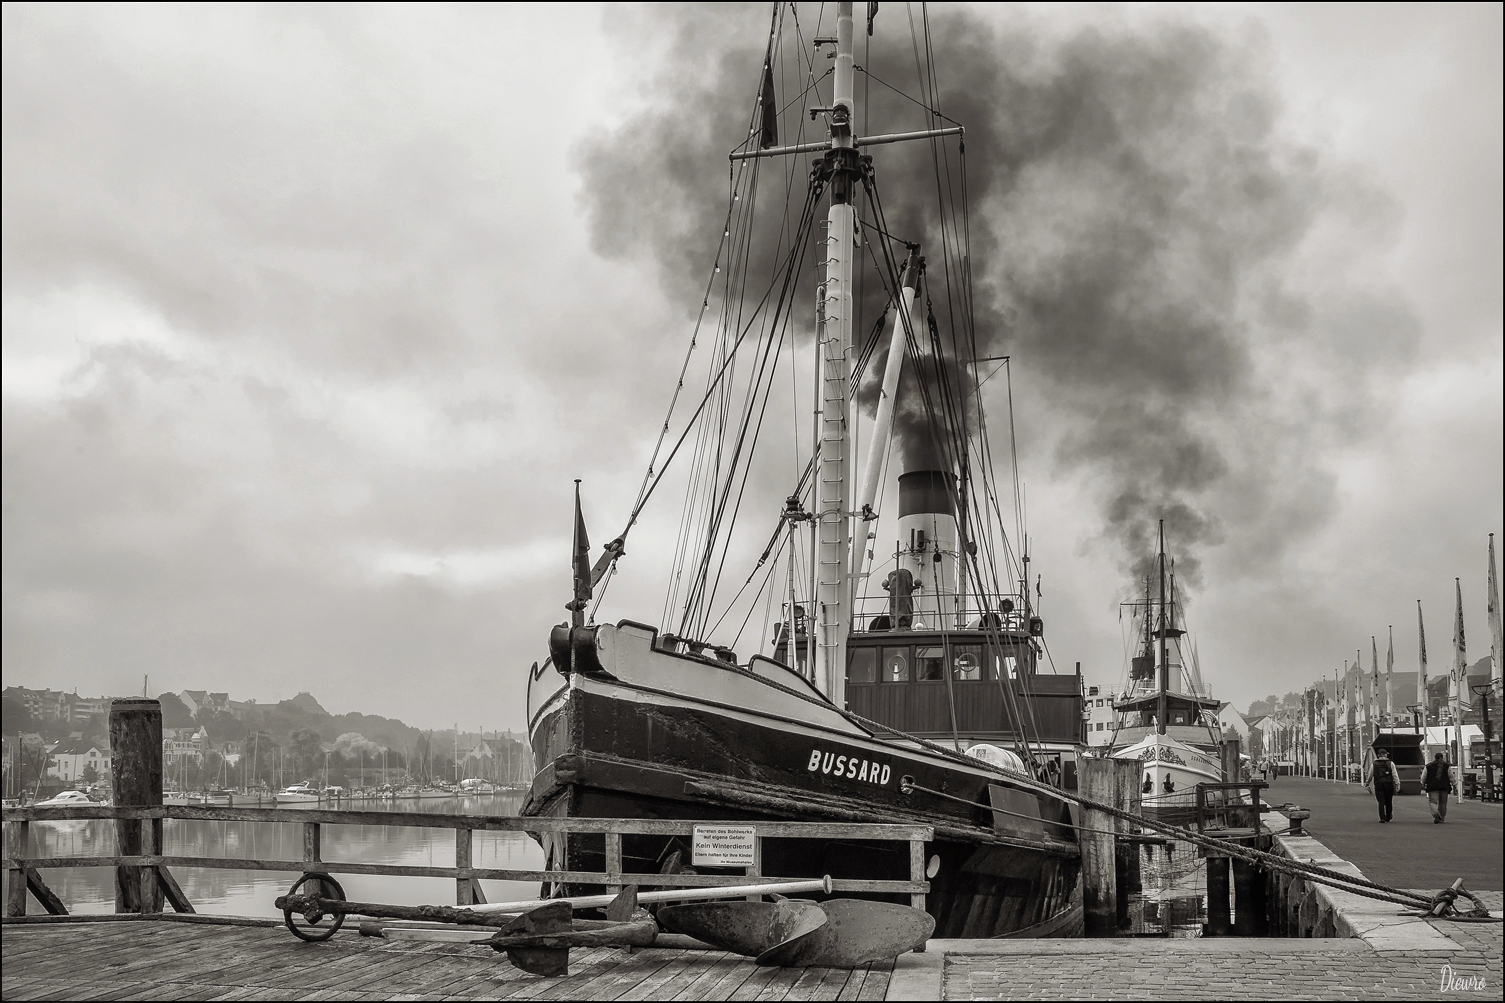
{"x": 1170, "y": 771}
{"x": 661, "y": 735}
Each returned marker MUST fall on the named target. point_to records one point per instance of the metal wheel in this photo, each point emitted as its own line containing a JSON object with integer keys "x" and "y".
{"x": 313, "y": 927}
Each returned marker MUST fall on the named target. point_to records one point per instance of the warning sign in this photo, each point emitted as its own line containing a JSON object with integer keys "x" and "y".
{"x": 724, "y": 845}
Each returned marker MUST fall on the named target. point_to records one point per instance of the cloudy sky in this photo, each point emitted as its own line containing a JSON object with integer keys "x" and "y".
{"x": 312, "y": 315}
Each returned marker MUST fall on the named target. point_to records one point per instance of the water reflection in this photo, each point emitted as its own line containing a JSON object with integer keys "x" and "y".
{"x": 1173, "y": 902}
{"x": 250, "y": 893}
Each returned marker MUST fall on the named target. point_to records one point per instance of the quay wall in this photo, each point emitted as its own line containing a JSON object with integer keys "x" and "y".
{"x": 1300, "y": 908}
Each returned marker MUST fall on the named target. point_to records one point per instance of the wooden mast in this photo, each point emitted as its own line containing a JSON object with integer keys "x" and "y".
{"x": 832, "y": 506}
{"x": 1165, "y": 671}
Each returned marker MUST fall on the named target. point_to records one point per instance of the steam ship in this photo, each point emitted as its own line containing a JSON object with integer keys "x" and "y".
{"x": 1166, "y": 720}
{"x": 909, "y": 691}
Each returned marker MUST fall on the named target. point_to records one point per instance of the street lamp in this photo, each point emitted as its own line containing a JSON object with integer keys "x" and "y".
{"x": 1417, "y": 711}
{"x": 1483, "y": 692}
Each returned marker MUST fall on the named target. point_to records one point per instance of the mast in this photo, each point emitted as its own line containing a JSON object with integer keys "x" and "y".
{"x": 1165, "y": 665}
{"x": 832, "y": 507}
{"x": 883, "y": 420}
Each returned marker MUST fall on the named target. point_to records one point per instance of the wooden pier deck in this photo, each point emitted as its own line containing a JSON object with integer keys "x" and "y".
{"x": 165, "y": 960}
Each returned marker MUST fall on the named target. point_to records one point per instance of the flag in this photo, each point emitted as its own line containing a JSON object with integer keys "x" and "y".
{"x": 581, "y": 561}
{"x": 1421, "y": 674}
{"x": 1389, "y": 707}
{"x": 769, "y": 109}
{"x": 1374, "y": 684}
{"x": 1459, "y": 682}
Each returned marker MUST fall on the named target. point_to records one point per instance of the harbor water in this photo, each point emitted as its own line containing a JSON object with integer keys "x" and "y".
{"x": 250, "y": 893}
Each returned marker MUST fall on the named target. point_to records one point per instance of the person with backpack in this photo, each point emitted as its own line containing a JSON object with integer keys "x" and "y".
{"x": 1386, "y": 780}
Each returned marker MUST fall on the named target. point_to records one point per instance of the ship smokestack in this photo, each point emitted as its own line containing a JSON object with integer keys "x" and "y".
{"x": 928, "y": 535}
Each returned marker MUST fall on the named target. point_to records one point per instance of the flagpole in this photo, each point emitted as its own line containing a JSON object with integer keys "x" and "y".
{"x": 1390, "y": 678}
{"x": 1496, "y": 640}
{"x": 1421, "y": 672}
{"x": 1459, "y": 680}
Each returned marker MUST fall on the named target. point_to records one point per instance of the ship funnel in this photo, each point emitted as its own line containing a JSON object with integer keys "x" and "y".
{"x": 928, "y": 537}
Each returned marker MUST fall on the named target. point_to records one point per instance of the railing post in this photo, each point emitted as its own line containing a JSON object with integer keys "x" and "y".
{"x": 463, "y": 888}
{"x": 755, "y": 869}
{"x": 917, "y": 875}
{"x": 613, "y": 862}
{"x": 136, "y": 773}
{"x": 313, "y": 851}
{"x": 17, "y": 847}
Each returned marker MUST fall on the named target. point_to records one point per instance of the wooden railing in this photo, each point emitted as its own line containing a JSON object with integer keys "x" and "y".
{"x": 152, "y": 868}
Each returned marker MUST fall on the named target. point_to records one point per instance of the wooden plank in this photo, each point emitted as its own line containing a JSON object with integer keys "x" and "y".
{"x": 833, "y": 981}
{"x": 853, "y": 987}
{"x": 805, "y": 986}
{"x": 779, "y": 986}
{"x": 17, "y": 844}
{"x": 490, "y": 873}
{"x": 463, "y": 890}
{"x": 755, "y": 983}
{"x": 875, "y": 986}
{"x": 45, "y": 896}
{"x": 641, "y": 966}
{"x": 171, "y": 890}
{"x": 653, "y": 827}
{"x": 649, "y": 987}
{"x": 917, "y": 872}
{"x": 613, "y": 862}
{"x": 704, "y": 977}
{"x": 737, "y": 970}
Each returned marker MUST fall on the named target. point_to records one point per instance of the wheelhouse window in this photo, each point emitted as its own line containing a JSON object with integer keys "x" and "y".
{"x": 862, "y": 665}
{"x": 966, "y": 662}
{"x": 896, "y": 665}
{"x": 930, "y": 663}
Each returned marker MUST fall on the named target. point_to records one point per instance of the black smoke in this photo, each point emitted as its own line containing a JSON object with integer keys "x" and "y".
{"x": 1136, "y": 215}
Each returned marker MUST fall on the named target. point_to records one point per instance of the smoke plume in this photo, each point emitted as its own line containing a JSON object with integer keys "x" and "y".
{"x": 1139, "y": 236}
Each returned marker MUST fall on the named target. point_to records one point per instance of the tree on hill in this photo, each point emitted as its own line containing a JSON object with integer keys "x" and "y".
{"x": 15, "y": 719}
{"x": 175, "y": 713}
{"x": 306, "y": 749}
{"x": 221, "y": 726}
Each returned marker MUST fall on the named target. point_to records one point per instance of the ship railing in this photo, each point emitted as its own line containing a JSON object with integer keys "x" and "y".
{"x": 957, "y": 612}
{"x": 145, "y": 882}
{"x": 1224, "y": 805}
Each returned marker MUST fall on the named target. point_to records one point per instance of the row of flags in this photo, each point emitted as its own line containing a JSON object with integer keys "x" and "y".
{"x": 1371, "y": 697}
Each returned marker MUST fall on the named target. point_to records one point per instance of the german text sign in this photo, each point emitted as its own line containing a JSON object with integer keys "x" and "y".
{"x": 724, "y": 845}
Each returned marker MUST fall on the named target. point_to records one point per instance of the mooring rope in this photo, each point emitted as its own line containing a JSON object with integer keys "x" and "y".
{"x": 1310, "y": 871}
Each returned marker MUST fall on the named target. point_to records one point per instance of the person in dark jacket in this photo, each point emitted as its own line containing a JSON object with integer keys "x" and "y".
{"x": 1386, "y": 779}
{"x": 1437, "y": 783}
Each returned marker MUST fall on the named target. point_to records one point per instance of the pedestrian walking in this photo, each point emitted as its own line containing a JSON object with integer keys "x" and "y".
{"x": 1437, "y": 783}
{"x": 1386, "y": 781}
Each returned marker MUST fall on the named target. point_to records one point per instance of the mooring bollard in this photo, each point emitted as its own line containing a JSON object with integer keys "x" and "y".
{"x": 1096, "y": 781}
{"x": 136, "y": 776}
{"x": 1217, "y": 896}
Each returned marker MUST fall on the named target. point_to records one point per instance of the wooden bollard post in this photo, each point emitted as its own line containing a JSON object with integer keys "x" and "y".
{"x": 1126, "y": 796}
{"x": 1099, "y": 883}
{"x": 136, "y": 776}
{"x": 1248, "y": 900}
{"x": 1217, "y": 896}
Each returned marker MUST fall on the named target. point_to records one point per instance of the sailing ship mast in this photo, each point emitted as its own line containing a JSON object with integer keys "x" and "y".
{"x": 836, "y": 304}
{"x": 1165, "y": 662}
